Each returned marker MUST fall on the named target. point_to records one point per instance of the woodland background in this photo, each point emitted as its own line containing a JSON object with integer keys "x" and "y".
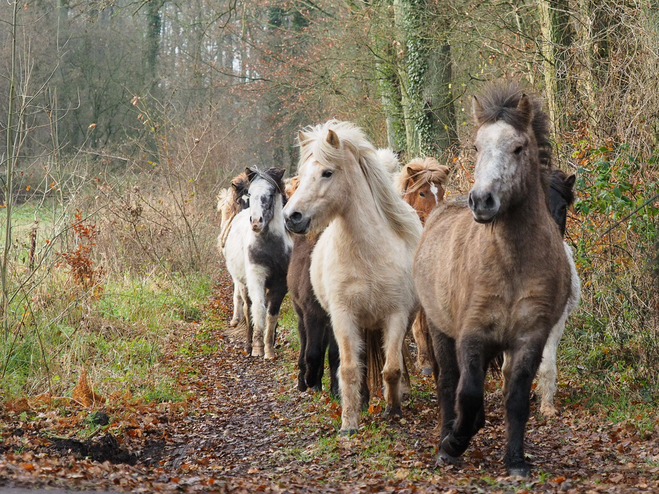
{"x": 121, "y": 120}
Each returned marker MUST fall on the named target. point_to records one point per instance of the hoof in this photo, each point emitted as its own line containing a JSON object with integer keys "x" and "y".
{"x": 301, "y": 385}
{"x": 257, "y": 351}
{"x": 391, "y": 412}
{"x": 522, "y": 471}
{"x": 269, "y": 354}
{"x": 426, "y": 371}
{"x": 234, "y": 323}
{"x": 444, "y": 459}
{"x": 548, "y": 410}
{"x": 454, "y": 446}
{"x": 348, "y": 432}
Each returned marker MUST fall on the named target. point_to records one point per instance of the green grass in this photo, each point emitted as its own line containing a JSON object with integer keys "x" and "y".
{"x": 118, "y": 337}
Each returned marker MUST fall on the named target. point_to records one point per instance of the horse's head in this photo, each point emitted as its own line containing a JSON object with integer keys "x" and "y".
{"x": 323, "y": 184}
{"x": 239, "y": 186}
{"x": 561, "y": 196}
{"x": 266, "y": 193}
{"x": 508, "y": 155}
{"x": 422, "y": 182}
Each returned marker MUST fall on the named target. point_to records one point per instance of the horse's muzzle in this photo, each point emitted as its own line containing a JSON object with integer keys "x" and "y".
{"x": 297, "y": 223}
{"x": 484, "y": 206}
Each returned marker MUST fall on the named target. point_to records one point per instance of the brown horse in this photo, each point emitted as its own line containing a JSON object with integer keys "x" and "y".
{"x": 494, "y": 277}
{"x": 421, "y": 183}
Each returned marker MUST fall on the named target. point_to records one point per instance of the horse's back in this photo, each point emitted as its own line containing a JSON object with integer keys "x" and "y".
{"x": 236, "y": 244}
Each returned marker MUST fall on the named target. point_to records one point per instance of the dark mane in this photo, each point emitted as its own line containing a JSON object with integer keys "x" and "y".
{"x": 499, "y": 101}
{"x": 274, "y": 176}
{"x": 563, "y": 186}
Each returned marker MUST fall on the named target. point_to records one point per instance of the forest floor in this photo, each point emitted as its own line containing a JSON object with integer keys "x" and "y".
{"x": 244, "y": 427}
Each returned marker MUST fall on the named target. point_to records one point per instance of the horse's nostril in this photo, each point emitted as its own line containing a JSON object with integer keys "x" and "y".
{"x": 489, "y": 202}
{"x": 470, "y": 201}
{"x": 296, "y": 217}
{"x": 250, "y": 220}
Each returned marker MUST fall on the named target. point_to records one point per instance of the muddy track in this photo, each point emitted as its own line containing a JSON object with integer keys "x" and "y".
{"x": 245, "y": 428}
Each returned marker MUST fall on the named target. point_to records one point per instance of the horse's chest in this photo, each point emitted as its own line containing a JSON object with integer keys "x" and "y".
{"x": 272, "y": 254}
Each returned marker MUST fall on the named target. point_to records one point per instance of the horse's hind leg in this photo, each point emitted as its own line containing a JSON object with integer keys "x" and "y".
{"x": 469, "y": 399}
{"x": 524, "y": 364}
{"x": 237, "y": 307}
{"x": 547, "y": 370}
{"x": 302, "y": 334}
{"x": 420, "y": 333}
{"x": 247, "y": 305}
{"x": 334, "y": 361}
{"x": 274, "y": 298}
{"x": 394, "y": 336}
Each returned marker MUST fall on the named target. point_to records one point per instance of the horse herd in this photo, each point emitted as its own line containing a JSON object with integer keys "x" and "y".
{"x": 362, "y": 247}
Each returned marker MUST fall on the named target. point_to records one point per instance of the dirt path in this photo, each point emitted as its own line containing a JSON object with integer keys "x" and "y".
{"x": 245, "y": 428}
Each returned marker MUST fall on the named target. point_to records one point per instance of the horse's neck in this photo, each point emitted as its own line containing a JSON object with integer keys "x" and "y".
{"x": 276, "y": 226}
{"x": 361, "y": 226}
{"x": 528, "y": 221}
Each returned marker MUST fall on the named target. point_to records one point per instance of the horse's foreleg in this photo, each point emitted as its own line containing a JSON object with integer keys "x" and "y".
{"x": 524, "y": 364}
{"x": 349, "y": 340}
{"x": 469, "y": 398}
{"x": 274, "y": 298}
{"x": 447, "y": 377}
{"x": 316, "y": 345}
{"x": 420, "y": 333}
{"x": 256, "y": 291}
{"x": 394, "y": 336}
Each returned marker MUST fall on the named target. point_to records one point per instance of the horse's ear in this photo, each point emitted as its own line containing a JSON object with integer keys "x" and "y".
{"x": 333, "y": 139}
{"x": 476, "y": 110}
{"x": 302, "y": 137}
{"x": 276, "y": 173}
{"x": 569, "y": 181}
{"x": 250, "y": 174}
{"x": 525, "y": 108}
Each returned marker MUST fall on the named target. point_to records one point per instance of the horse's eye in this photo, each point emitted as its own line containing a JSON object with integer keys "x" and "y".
{"x": 326, "y": 174}
{"x": 421, "y": 194}
{"x": 518, "y": 150}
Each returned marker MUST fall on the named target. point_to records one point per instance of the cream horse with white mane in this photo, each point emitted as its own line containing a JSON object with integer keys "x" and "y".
{"x": 361, "y": 267}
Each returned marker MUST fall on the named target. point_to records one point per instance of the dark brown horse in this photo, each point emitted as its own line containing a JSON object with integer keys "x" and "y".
{"x": 494, "y": 276}
{"x": 313, "y": 322}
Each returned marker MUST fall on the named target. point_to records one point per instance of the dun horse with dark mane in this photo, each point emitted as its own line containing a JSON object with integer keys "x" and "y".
{"x": 494, "y": 277}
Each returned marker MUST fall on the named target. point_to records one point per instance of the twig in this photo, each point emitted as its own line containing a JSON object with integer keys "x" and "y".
{"x": 617, "y": 223}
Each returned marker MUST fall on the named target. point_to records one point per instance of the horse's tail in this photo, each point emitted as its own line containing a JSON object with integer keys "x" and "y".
{"x": 389, "y": 160}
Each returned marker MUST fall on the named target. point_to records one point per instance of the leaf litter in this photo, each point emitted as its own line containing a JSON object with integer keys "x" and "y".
{"x": 244, "y": 427}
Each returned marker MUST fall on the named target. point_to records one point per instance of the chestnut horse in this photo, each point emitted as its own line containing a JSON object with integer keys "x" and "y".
{"x": 362, "y": 264}
{"x": 493, "y": 277}
{"x": 421, "y": 183}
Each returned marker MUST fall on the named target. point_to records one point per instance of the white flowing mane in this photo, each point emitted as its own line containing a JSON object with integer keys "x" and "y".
{"x": 390, "y": 206}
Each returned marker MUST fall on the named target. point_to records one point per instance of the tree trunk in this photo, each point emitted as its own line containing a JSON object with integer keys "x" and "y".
{"x": 557, "y": 38}
{"x": 425, "y": 76}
